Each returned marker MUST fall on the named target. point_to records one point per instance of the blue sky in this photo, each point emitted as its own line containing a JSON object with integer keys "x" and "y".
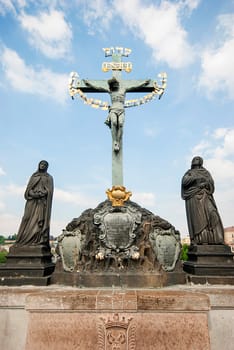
{"x": 41, "y": 42}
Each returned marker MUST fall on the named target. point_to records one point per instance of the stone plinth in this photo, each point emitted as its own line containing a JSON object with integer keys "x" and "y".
{"x": 27, "y": 265}
{"x": 130, "y": 279}
{"x": 210, "y": 260}
{"x": 118, "y": 319}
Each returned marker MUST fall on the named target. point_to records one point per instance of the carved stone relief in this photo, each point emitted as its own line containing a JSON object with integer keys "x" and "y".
{"x": 117, "y": 231}
{"x": 166, "y": 245}
{"x": 116, "y": 333}
{"x": 114, "y": 239}
{"x": 70, "y": 244}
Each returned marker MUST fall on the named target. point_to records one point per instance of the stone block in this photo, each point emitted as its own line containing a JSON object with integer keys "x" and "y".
{"x": 29, "y": 265}
{"x": 13, "y": 328}
{"x": 221, "y": 329}
{"x": 118, "y": 319}
{"x": 135, "y": 331}
{"x": 210, "y": 260}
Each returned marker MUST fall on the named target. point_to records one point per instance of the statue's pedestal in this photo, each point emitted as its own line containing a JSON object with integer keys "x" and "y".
{"x": 119, "y": 246}
{"x": 117, "y": 319}
{"x": 27, "y": 265}
{"x": 210, "y": 263}
{"x": 156, "y": 279}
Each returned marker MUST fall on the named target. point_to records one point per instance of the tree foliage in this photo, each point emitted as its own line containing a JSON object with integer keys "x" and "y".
{"x": 12, "y": 237}
{"x": 3, "y": 256}
{"x": 2, "y": 239}
{"x": 184, "y": 252}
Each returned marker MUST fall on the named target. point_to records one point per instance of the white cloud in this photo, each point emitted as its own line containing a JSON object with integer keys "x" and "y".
{"x": 225, "y": 24}
{"x": 42, "y": 82}
{"x": 159, "y": 26}
{"x": 223, "y": 170}
{"x": 146, "y": 199}
{"x": 2, "y": 172}
{"x": 8, "y": 224}
{"x": 152, "y": 131}
{"x": 9, "y": 221}
{"x": 15, "y": 190}
{"x": 217, "y": 61}
{"x": 218, "y": 155}
{"x": 6, "y": 6}
{"x": 11, "y": 190}
{"x": 56, "y": 227}
{"x": 12, "y": 6}
{"x": 218, "y": 152}
{"x": 63, "y": 205}
{"x": 220, "y": 133}
{"x": 48, "y": 32}
{"x": 201, "y": 147}
{"x": 2, "y": 206}
{"x": 97, "y": 15}
{"x": 74, "y": 197}
{"x": 190, "y": 4}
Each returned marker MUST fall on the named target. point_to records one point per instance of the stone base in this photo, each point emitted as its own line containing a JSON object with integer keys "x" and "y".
{"x": 210, "y": 260}
{"x": 65, "y": 309}
{"x": 27, "y": 265}
{"x": 117, "y": 319}
{"x": 24, "y": 280}
{"x": 121, "y": 279}
{"x": 224, "y": 280}
{"x": 128, "y": 280}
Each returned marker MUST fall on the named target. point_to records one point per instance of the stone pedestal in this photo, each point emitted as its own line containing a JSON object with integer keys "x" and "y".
{"x": 27, "y": 265}
{"x": 210, "y": 260}
{"x": 118, "y": 319}
{"x": 130, "y": 279}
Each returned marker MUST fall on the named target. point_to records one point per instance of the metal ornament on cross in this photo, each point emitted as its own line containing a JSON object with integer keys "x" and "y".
{"x": 117, "y": 64}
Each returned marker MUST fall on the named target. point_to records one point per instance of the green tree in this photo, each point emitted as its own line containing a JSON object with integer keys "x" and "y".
{"x": 3, "y": 256}
{"x": 12, "y": 237}
{"x": 184, "y": 252}
{"x": 2, "y": 239}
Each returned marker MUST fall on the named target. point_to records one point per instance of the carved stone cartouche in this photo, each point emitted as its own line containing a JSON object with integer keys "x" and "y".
{"x": 126, "y": 238}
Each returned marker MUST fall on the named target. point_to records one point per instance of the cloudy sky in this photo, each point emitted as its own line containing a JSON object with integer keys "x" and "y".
{"x": 42, "y": 41}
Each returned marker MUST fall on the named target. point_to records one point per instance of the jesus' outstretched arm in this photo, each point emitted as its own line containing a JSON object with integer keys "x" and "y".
{"x": 93, "y": 85}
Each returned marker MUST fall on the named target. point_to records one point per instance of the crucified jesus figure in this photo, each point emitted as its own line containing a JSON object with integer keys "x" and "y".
{"x": 115, "y": 119}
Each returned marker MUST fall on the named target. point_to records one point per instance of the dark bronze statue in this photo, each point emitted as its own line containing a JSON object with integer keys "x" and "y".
{"x": 35, "y": 226}
{"x": 204, "y": 223}
{"x": 115, "y": 120}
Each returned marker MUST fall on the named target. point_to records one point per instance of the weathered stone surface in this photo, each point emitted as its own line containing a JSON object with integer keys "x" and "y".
{"x": 123, "y": 280}
{"x": 118, "y": 300}
{"x": 210, "y": 280}
{"x": 166, "y": 245}
{"x": 220, "y": 297}
{"x": 210, "y": 260}
{"x": 126, "y": 319}
{"x": 126, "y": 246}
{"x": 123, "y": 330}
{"x": 118, "y": 319}
{"x": 27, "y": 265}
{"x": 69, "y": 244}
{"x": 172, "y": 300}
{"x": 221, "y": 329}
{"x": 162, "y": 311}
{"x": 13, "y": 328}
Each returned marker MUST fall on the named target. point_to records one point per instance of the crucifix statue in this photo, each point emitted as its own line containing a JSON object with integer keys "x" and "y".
{"x": 117, "y": 89}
